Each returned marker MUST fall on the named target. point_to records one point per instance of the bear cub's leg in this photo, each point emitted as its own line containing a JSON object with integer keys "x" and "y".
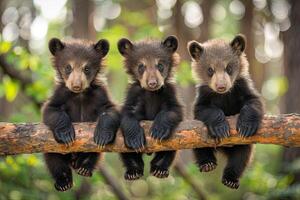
{"x": 161, "y": 162}
{"x": 205, "y": 159}
{"x": 58, "y": 165}
{"x": 134, "y": 165}
{"x": 84, "y": 163}
{"x": 238, "y": 159}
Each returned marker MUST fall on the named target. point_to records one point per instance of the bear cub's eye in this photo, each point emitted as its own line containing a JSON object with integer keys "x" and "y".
{"x": 229, "y": 69}
{"x": 141, "y": 68}
{"x": 160, "y": 67}
{"x": 68, "y": 69}
{"x": 210, "y": 71}
{"x": 86, "y": 69}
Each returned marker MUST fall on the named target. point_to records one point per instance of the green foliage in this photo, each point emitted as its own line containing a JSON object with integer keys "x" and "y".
{"x": 184, "y": 74}
{"x": 4, "y": 47}
{"x": 10, "y": 87}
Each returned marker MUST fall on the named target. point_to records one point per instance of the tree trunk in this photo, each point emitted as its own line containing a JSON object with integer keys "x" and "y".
{"x": 292, "y": 72}
{"x": 83, "y": 26}
{"x": 256, "y": 69}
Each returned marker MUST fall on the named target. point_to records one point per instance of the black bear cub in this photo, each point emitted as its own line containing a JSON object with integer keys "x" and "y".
{"x": 225, "y": 89}
{"x": 150, "y": 96}
{"x": 79, "y": 96}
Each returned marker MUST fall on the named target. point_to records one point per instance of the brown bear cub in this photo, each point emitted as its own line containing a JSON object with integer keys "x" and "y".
{"x": 150, "y": 96}
{"x": 80, "y": 96}
{"x": 225, "y": 89}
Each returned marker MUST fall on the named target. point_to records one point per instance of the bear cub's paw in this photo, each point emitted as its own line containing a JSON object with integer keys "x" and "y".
{"x": 207, "y": 167}
{"x": 136, "y": 140}
{"x": 159, "y": 131}
{"x": 159, "y": 172}
{"x": 219, "y": 130}
{"x": 84, "y": 172}
{"x": 246, "y": 128}
{"x": 133, "y": 174}
{"x": 103, "y": 136}
{"x": 63, "y": 183}
{"x": 65, "y": 135}
{"x": 231, "y": 183}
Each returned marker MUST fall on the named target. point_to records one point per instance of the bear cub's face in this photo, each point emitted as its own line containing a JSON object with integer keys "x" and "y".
{"x": 149, "y": 62}
{"x": 77, "y": 63}
{"x": 217, "y": 63}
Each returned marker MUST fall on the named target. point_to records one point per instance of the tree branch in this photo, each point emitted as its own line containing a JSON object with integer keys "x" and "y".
{"x": 112, "y": 182}
{"x": 35, "y": 137}
{"x": 14, "y": 73}
{"x": 24, "y": 79}
{"x": 180, "y": 170}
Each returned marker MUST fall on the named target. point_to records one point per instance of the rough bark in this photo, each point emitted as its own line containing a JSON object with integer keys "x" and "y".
{"x": 35, "y": 137}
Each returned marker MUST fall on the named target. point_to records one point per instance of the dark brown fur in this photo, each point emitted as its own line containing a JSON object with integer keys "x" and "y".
{"x": 222, "y": 93}
{"x": 79, "y": 96}
{"x": 149, "y": 62}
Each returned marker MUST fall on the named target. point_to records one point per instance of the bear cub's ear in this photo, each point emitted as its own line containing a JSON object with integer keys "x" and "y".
{"x": 55, "y": 45}
{"x": 125, "y": 46}
{"x": 238, "y": 44}
{"x": 170, "y": 43}
{"x": 195, "y": 49}
{"x": 102, "y": 47}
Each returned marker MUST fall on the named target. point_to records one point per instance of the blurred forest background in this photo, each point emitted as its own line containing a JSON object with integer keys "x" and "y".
{"x": 272, "y": 28}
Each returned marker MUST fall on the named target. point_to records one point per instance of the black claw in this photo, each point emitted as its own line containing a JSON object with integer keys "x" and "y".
{"x": 69, "y": 140}
{"x": 133, "y": 174}
{"x": 233, "y": 184}
{"x": 64, "y": 135}
{"x": 159, "y": 172}
{"x": 253, "y": 130}
{"x": 105, "y": 131}
{"x": 247, "y": 131}
{"x": 84, "y": 172}
{"x": 221, "y": 130}
{"x": 207, "y": 167}
{"x": 135, "y": 140}
{"x": 103, "y": 136}
{"x": 247, "y": 127}
{"x": 160, "y": 132}
{"x": 63, "y": 187}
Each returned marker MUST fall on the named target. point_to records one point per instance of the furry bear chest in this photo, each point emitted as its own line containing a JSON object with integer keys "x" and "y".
{"x": 81, "y": 109}
{"x": 151, "y": 105}
{"x": 230, "y": 104}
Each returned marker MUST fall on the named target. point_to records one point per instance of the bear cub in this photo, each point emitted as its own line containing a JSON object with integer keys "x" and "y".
{"x": 150, "y": 96}
{"x": 80, "y": 96}
{"x": 225, "y": 89}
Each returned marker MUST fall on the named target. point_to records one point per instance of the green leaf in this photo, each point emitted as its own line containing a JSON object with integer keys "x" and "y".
{"x": 11, "y": 88}
{"x": 33, "y": 63}
{"x": 4, "y": 46}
